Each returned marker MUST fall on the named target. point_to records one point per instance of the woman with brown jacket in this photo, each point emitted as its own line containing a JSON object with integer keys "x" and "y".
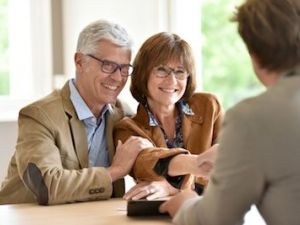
{"x": 181, "y": 124}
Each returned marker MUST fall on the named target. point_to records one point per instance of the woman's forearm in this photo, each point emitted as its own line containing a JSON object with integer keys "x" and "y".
{"x": 183, "y": 164}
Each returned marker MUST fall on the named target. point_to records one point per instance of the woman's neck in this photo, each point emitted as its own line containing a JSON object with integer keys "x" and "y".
{"x": 166, "y": 116}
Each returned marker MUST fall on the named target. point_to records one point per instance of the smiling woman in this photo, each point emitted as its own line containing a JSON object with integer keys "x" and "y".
{"x": 171, "y": 115}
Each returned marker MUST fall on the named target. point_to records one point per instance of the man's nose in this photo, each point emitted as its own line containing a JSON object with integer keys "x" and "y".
{"x": 117, "y": 75}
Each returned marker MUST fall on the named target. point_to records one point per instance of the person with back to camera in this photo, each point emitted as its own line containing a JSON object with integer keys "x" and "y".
{"x": 65, "y": 151}
{"x": 258, "y": 156}
{"x": 182, "y": 125}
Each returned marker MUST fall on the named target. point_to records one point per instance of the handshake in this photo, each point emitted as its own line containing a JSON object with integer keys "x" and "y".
{"x": 205, "y": 161}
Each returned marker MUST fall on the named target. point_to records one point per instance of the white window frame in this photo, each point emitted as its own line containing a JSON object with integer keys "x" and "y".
{"x": 30, "y": 55}
{"x": 185, "y": 20}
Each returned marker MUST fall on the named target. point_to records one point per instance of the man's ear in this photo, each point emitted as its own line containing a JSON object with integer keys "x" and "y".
{"x": 77, "y": 59}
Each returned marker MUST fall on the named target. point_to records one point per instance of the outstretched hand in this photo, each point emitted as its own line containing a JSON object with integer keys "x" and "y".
{"x": 206, "y": 160}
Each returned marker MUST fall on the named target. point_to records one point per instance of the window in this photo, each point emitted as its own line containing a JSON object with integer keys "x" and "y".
{"x": 226, "y": 66}
{"x": 223, "y": 65}
{"x": 4, "y": 77}
{"x": 25, "y": 50}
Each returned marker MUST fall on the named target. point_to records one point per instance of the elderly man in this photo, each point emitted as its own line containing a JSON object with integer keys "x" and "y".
{"x": 65, "y": 152}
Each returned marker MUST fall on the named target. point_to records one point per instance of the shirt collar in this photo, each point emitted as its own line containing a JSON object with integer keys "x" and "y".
{"x": 81, "y": 108}
{"x": 182, "y": 105}
{"x": 185, "y": 108}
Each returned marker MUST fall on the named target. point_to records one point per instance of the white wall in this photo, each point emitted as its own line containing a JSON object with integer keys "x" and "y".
{"x": 141, "y": 18}
{"x": 8, "y": 137}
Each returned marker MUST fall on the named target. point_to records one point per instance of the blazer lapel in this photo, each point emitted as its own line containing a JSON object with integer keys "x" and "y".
{"x": 77, "y": 128}
{"x": 188, "y": 122}
{"x": 109, "y": 136}
{"x": 113, "y": 115}
{"x": 80, "y": 142}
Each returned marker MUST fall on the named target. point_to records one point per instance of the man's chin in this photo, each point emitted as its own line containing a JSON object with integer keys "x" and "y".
{"x": 111, "y": 101}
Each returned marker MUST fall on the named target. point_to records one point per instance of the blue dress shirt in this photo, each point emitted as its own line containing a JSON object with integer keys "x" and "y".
{"x": 95, "y": 128}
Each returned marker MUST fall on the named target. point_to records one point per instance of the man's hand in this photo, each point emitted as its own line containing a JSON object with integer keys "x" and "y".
{"x": 198, "y": 165}
{"x": 150, "y": 190}
{"x": 172, "y": 205}
{"x": 206, "y": 160}
{"x": 125, "y": 156}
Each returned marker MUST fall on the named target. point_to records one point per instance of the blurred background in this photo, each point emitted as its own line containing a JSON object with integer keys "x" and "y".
{"x": 38, "y": 41}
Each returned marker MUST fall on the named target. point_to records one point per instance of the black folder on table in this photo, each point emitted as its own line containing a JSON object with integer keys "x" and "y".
{"x": 144, "y": 207}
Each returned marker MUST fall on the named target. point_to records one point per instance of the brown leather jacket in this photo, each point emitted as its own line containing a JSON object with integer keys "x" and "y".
{"x": 199, "y": 133}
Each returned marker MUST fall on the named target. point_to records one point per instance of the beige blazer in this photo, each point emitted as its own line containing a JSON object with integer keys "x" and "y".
{"x": 199, "y": 133}
{"x": 50, "y": 164}
{"x": 258, "y": 162}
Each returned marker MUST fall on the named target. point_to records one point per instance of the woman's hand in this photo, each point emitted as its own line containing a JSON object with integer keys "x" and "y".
{"x": 150, "y": 190}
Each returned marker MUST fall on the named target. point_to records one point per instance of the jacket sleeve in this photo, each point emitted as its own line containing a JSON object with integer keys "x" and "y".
{"x": 218, "y": 116}
{"x": 40, "y": 164}
{"x": 237, "y": 179}
{"x": 144, "y": 166}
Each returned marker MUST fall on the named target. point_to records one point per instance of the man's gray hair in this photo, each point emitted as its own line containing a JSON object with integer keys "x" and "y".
{"x": 102, "y": 29}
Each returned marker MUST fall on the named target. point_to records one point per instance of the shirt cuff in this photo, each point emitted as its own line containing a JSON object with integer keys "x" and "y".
{"x": 161, "y": 169}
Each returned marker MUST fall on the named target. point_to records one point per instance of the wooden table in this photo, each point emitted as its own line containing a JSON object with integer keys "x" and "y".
{"x": 89, "y": 213}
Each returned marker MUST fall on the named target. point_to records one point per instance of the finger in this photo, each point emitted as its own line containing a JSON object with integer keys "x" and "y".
{"x": 206, "y": 166}
{"x": 215, "y": 146}
{"x": 154, "y": 196}
{"x": 163, "y": 207}
{"x": 135, "y": 190}
{"x": 140, "y": 195}
{"x": 132, "y": 192}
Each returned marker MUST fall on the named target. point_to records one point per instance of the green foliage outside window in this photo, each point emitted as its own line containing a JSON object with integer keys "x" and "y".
{"x": 227, "y": 68}
{"x": 4, "y": 73}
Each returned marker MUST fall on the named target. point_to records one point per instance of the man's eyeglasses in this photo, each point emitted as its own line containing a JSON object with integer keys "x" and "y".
{"x": 165, "y": 71}
{"x": 110, "y": 67}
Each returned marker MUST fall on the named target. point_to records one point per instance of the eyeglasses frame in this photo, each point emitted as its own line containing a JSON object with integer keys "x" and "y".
{"x": 117, "y": 66}
{"x": 169, "y": 71}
